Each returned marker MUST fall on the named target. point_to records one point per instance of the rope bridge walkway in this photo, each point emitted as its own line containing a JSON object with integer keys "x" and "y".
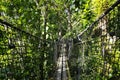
{"x": 93, "y": 55}
{"x": 61, "y": 65}
{"x": 62, "y": 72}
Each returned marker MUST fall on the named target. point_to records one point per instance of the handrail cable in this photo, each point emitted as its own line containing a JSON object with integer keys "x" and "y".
{"x": 99, "y": 18}
{"x": 14, "y": 27}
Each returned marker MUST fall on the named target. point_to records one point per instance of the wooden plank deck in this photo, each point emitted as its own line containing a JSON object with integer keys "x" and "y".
{"x": 61, "y": 65}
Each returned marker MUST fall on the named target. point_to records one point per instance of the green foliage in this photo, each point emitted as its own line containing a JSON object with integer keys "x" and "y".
{"x": 51, "y": 20}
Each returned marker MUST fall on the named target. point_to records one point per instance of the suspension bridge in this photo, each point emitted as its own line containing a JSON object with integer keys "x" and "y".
{"x": 98, "y": 45}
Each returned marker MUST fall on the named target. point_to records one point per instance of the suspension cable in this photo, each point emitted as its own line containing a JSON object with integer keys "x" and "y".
{"x": 99, "y": 18}
{"x": 16, "y": 28}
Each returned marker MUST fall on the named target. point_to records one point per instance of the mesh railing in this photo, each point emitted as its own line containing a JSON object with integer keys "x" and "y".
{"x": 97, "y": 55}
{"x": 19, "y": 54}
{"x": 22, "y": 55}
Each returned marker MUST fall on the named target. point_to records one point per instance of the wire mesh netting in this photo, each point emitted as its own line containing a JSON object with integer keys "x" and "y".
{"x": 22, "y": 55}
{"x": 19, "y": 54}
{"x": 97, "y": 54}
